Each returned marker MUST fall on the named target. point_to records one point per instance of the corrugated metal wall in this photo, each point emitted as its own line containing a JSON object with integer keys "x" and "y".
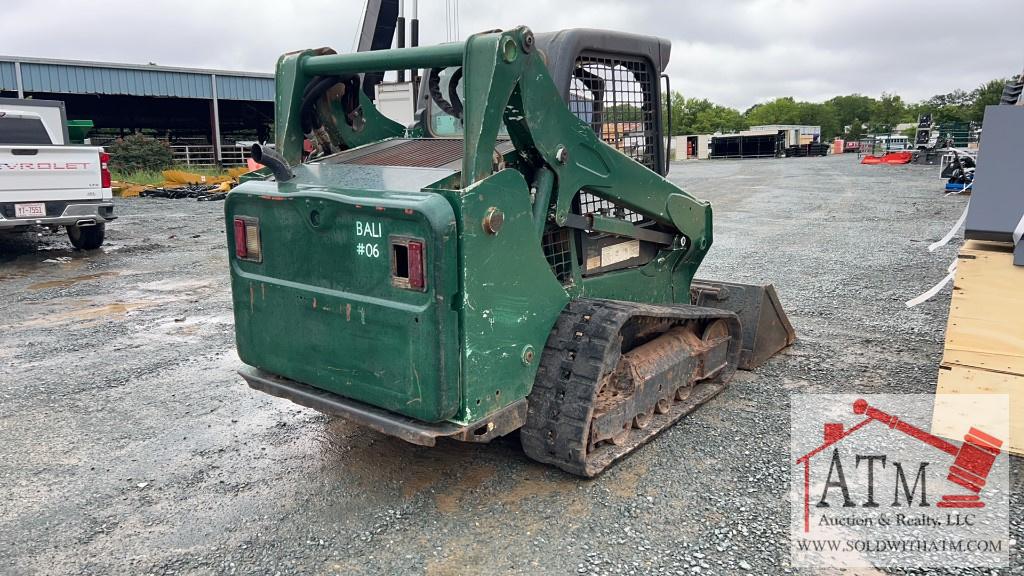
{"x": 7, "y": 78}
{"x": 85, "y": 79}
{"x": 90, "y": 80}
{"x": 245, "y": 88}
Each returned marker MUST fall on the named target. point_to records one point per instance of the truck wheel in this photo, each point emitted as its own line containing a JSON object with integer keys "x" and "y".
{"x": 87, "y": 237}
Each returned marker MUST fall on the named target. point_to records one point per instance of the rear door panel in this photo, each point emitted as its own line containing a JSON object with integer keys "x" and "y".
{"x": 323, "y": 306}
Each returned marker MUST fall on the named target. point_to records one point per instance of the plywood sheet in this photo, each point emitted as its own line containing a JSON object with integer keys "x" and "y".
{"x": 986, "y": 315}
{"x": 953, "y": 415}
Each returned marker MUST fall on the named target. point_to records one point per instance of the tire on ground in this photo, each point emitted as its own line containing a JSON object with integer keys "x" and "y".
{"x": 87, "y": 237}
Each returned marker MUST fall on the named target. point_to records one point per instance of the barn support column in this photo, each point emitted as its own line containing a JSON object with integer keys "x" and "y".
{"x": 215, "y": 120}
{"x": 17, "y": 79}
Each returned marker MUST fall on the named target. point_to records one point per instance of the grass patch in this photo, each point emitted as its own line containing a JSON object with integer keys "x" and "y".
{"x": 156, "y": 177}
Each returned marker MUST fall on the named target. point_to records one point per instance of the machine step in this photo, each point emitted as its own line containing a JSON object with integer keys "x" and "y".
{"x": 497, "y": 424}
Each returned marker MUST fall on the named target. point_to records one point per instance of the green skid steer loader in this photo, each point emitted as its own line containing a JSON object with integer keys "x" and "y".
{"x": 513, "y": 260}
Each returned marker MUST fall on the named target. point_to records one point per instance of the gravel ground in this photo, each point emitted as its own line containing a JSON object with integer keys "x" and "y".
{"x": 130, "y": 446}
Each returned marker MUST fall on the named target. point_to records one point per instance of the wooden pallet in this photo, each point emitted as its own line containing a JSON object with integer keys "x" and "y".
{"x": 984, "y": 352}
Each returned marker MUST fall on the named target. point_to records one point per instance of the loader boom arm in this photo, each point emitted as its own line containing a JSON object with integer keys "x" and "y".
{"x": 507, "y": 83}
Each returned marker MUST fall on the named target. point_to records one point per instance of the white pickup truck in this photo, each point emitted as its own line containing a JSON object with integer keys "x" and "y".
{"x": 46, "y": 182}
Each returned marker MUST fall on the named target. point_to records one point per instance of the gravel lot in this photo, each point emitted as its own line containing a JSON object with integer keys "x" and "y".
{"x": 129, "y": 445}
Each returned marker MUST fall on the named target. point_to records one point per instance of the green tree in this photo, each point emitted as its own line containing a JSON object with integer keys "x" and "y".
{"x": 824, "y": 115}
{"x": 779, "y": 111}
{"x": 960, "y": 106}
{"x": 957, "y": 97}
{"x": 692, "y": 109}
{"x": 701, "y": 116}
{"x": 717, "y": 119}
{"x": 786, "y": 110}
{"x": 954, "y": 106}
{"x": 852, "y": 108}
{"x": 856, "y": 129}
{"x": 140, "y": 152}
{"x": 677, "y": 102}
{"x": 890, "y": 111}
{"x": 988, "y": 94}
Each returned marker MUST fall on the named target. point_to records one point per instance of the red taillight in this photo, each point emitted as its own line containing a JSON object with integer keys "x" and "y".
{"x": 104, "y": 170}
{"x": 408, "y": 263}
{"x": 247, "y": 239}
{"x": 416, "y": 265}
{"x": 240, "y": 249}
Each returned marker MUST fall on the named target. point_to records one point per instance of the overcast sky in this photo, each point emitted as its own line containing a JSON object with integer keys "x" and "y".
{"x": 736, "y": 53}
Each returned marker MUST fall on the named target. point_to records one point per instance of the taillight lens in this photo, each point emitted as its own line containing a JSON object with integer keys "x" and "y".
{"x": 240, "y": 249}
{"x": 408, "y": 263}
{"x": 104, "y": 170}
{"x": 416, "y": 281}
{"x": 247, "y": 239}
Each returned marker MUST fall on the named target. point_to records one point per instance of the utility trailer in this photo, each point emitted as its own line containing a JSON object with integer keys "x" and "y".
{"x": 516, "y": 260}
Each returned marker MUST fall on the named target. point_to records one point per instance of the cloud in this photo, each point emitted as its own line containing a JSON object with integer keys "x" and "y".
{"x": 733, "y": 52}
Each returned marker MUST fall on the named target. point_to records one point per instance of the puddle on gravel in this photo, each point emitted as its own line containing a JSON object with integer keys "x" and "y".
{"x": 22, "y": 266}
{"x": 450, "y": 501}
{"x": 179, "y": 328}
{"x": 91, "y": 313}
{"x": 69, "y": 282}
{"x": 386, "y": 467}
{"x": 553, "y": 482}
{"x": 624, "y": 483}
{"x": 12, "y": 275}
{"x": 179, "y": 286}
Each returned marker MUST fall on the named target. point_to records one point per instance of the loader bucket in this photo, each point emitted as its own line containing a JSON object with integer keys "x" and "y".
{"x": 766, "y": 329}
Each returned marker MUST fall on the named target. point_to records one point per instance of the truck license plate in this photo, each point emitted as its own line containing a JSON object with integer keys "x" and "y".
{"x": 33, "y": 210}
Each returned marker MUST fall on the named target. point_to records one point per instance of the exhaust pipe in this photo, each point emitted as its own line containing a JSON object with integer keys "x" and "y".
{"x": 271, "y": 159}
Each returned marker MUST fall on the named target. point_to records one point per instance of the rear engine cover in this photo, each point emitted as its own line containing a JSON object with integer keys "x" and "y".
{"x": 353, "y": 293}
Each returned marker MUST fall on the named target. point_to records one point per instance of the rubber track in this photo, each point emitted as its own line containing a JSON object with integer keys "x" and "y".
{"x": 583, "y": 346}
